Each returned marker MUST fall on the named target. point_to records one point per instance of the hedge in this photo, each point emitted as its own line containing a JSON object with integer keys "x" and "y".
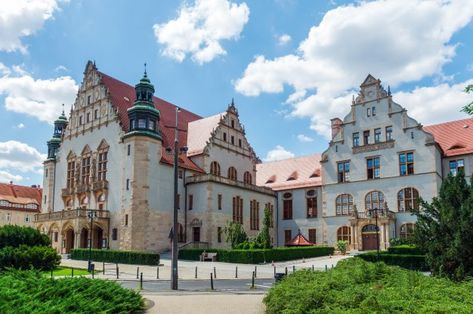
{"x": 14, "y": 236}
{"x": 414, "y": 262}
{"x": 259, "y": 255}
{"x": 405, "y": 249}
{"x": 27, "y": 257}
{"x": 111, "y": 256}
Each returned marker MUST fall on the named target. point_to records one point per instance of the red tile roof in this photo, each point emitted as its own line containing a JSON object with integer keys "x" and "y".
{"x": 455, "y": 137}
{"x": 292, "y": 173}
{"x": 123, "y": 96}
{"x": 19, "y": 194}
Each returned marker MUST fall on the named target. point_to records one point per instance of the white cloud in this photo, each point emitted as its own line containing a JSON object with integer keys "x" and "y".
{"x": 199, "y": 29}
{"x": 304, "y": 138}
{"x": 7, "y": 177}
{"x": 17, "y": 156}
{"x": 61, "y": 68}
{"x": 20, "y": 126}
{"x": 284, "y": 39}
{"x": 397, "y": 41}
{"x": 278, "y": 153}
{"x": 22, "y": 18}
{"x": 40, "y": 98}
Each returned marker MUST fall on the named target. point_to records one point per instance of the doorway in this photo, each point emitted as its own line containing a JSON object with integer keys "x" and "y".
{"x": 69, "y": 241}
{"x": 196, "y": 234}
{"x": 369, "y": 235}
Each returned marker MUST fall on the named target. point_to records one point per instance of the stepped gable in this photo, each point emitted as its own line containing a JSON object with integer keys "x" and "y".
{"x": 292, "y": 173}
{"x": 23, "y": 195}
{"x": 123, "y": 95}
{"x": 455, "y": 138}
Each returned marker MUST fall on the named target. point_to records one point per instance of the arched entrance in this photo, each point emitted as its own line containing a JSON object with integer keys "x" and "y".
{"x": 68, "y": 240}
{"x": 84, "y": 238}
{"x": 369, "y": 237}
{"x": 97, "y": 237}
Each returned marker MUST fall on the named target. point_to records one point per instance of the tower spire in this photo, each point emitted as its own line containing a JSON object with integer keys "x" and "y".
{"x": 146, "y": 75}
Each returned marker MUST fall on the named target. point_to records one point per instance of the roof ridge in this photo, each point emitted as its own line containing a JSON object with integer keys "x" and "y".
{"x": 292, "y": 158}
{"x": 447, "y": 122}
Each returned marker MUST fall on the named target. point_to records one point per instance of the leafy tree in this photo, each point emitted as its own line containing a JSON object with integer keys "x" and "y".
{"x": 234, "y": 233}
{"x": 264, "y": 238}
{"x": 14, "y": 236}
{"x": 444, "y": 229}
{"x": 342, "y": 246}
{"x": 468, "y": 108}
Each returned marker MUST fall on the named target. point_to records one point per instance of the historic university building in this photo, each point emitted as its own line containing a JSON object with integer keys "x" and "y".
{"x": 112, "y": 159}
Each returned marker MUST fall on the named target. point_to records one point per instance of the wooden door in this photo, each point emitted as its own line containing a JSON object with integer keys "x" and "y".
{"x": 369, "y": 241}
{"x": 196, "y": 234}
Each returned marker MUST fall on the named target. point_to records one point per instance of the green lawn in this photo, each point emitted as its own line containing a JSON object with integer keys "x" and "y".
{"x": 66, "y": 271}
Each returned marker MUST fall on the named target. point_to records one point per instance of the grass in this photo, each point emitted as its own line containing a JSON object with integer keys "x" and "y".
{"x": 32, "y": 292}
{"x": 356, "y": 286}
{"x": 66, "y": 271}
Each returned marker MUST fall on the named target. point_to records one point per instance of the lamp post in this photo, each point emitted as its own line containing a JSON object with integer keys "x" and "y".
{"x": 174, "y": 225}
{"x": 374, "y": 212}
{"x": 91, "y": 214}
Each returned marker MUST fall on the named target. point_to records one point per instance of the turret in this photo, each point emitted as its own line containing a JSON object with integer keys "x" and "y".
{"x": 54, "y": 143}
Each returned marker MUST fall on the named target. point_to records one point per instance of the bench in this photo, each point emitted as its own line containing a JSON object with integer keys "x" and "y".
{"x": 208, "y": 257}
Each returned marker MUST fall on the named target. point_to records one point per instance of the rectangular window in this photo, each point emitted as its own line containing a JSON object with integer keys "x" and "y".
{"x": 56, "y": 236}
{"x": 233, "y": 124}
{"x": 80, "y": 120}
{"x": 238, "y": 209}
{"x": 270, "y": 207}
{"x": 356, "y": 139}
{"x": 46, "y": 173}
{"x": 366, "y": 137}
{"x": 389, "y": 133}
{"x": 127, "y": 184}
{"x": 191, "y": 201}
{"x": 311, "y": 207}
{"x": 88, "y": 100}
{"x": 287, "y": 236}
{"x": 180, "y": 174}
{"x": 141, "y": 123}
{"x": 71, "y": 168}
{"x": 96, "y": 114}
{"x": 102, "y": 166}
{"x": 27, "y": 218}
{"x": 128, "y": 149}
{"x": 232, "y": 140}
{"x": 287, "y": 209}
{"x": 313, "y": 235}
{"x": 239, "y": 142}
{"x": 178, "y": 201}
{"x": 406, "y": 164}
{"x": 126, "y": 220}
{"x": 456, "y": 166}
{"x": 219, "y": 201}
{"x": 114, "y": 234}
{"x": 368, "y": 112}
{"x": 224, "y": 137}
{"x": 343, "y": 169}
{"x": 254, "y": 215}
{"x": 88, "y": 117}
{"x": 85, "y": 170}
{"x": 219, "y": 234}
{"x": 373, "y": 168}
{"x": 373, "y": 111}
{"x": 377, "y": 135}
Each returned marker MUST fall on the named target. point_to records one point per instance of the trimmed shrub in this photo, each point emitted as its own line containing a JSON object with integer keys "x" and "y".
{"x": 31, "y": 292}
{"x": 355, "y": 286}
{"x": 111, "y": 256}
{"x": 259, "y": 255}
{"x": 14, "y": 236}
{"x": 406, "y": 249}
{"x": 27, "y": 257}
{"x": 414, "y": 262}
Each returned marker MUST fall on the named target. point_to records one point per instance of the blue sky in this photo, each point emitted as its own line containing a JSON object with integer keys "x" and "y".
{"x": 290, "y": 65}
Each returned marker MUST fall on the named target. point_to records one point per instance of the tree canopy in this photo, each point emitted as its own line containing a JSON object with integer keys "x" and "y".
{"x": 468, "y": 108}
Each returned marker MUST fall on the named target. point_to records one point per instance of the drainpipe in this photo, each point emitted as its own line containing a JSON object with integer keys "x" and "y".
{"x": 185, "y": 205}
{"x": 277, "y": 218}
{"x": 54, "y": 184}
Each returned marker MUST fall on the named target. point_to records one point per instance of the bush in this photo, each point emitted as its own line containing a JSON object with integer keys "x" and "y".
{"x": 14, "y": 236}
{"x": 259, "y": 255}
{"x": 111, "y": 256}
{"x": 401, "y": 241}
{"x": 27, "y": 257}
{"x": 342, "y": 246}
{"x": 409, "y": 261}
{"x": 30, "y": 292}
{"x": 406, "y": 249}
{"x": 355, "y": 286}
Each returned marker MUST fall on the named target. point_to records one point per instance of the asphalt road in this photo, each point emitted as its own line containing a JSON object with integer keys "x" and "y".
{"x": 230, "y": 285}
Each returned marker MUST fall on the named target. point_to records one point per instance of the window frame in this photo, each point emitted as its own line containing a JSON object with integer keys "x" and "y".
{"x": 374, "y": 171}
{"x": 408, "y": 164}
{"x": 343, "y": 234}
{"x": 343, "y": 175}
{"x": 403, "y": 201}
{"x": 343, "y": 208}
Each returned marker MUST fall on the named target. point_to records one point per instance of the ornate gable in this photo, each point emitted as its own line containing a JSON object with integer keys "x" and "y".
{"x": 371, "y": 89}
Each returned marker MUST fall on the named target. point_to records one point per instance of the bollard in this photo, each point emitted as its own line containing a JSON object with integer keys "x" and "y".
{"x": 215, "y": 273}
{"x": 293, "y": 268}
{"x": 274, "y": 267}
{"x": 253, "y": 280}
{"x": 103, "y": 268}
{"x": 312, "y": 267}
{"x": 236, "y": 271}
{"x": 157, "y": 272}
{"x": 137, "y": 272}
{"x": 118, "y": 272}
{"x": 195, "y": 272}
{"x": 255, "y": 271}
{"x": 326, "y": 268}
{"x": 72, "y": 271}
{"x": 93, "y": 270}
{"x": 141, "y": 281}
{"x": 285, "y": 270}
{"x": 211, "y": 281}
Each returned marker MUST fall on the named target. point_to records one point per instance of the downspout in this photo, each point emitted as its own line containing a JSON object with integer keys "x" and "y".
{"x": 277, "y": 219}
{"x": 54, "y": 184}
{"x": 185, "y": 205}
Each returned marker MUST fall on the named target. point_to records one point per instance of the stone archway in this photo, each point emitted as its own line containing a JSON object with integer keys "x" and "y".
{"x": 97, "y": 237}
{"x": 84, "y": 238}
{"x": 69, "y": 238}
{"x": 370, "y": 237}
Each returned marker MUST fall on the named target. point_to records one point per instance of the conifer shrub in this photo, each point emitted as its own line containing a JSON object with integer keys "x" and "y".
{"x": 409, "y": 261}
{"x": 29, "y": 257}
{"x": 14, "y": 236}
{"x": 115, "y": 256}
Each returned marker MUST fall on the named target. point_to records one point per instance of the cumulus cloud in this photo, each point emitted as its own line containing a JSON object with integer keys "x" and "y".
{"x": 379, "y": 37}
{"x": 8, "y": 177}
{"x": 18, "y": 156}
{"x": 199, "y": 29}
{"x": 304, "y": 138}
{"x": 40, "y": 98}
{"x": 20, "y": 126}
{"x": 22, "y": 18}
{"x": 278, "y": 153}
{"x": 284, "y": 39}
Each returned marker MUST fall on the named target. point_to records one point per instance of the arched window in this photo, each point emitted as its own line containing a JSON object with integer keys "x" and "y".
{"x": 84, "y": 202}
{"x": 247, "y": 177}
{"x": 344, "y": 204}
{"x": 180, "y": 233}
{"x": 101, "y": 201}
{"x": 232, "y": 173}
{"x": 215, "y": 168}
{"x": 374, "y": 200}
{"x": 407, "y": 230}
{"x": 344, "y": 234}
{"x": 287, "y": 206}
{"x": 407, "y": 199}
{"x": 69, "y": 204}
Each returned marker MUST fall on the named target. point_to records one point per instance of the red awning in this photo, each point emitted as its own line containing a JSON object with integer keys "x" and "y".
{"x": 299, "y": 240}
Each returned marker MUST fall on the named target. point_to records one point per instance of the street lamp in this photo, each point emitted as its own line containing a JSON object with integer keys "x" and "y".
{"x": 91, "y": 214}
{"x": 374, "y": 212}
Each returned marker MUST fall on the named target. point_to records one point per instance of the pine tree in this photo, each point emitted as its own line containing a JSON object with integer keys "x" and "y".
{"x": 444, "y": 229}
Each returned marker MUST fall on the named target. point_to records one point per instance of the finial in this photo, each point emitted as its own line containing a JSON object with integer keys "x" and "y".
{"x": 389, "y": 90}
{"x": 233, "y": 103}
{"x": 63, "y": 110}
{"x": 145, "y": 70}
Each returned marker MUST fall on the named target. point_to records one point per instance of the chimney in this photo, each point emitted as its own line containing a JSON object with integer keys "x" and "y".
{"x": 336, "y": 124}
{"x": 11, "y": 182}
{"x": 34, "y": 186}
